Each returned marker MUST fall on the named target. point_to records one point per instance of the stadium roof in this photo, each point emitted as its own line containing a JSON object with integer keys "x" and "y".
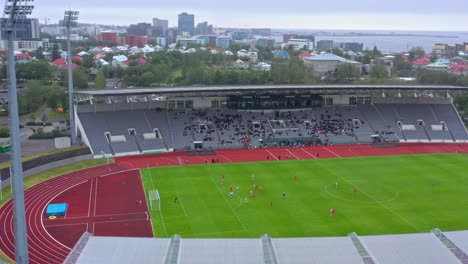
{"x": 260, "y": 88}
{"x": 393, "y": 249}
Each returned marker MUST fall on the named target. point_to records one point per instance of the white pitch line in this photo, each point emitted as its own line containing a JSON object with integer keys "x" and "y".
{"x": 95, "y": 197}
{"x": 232, "y": 209}
{"x": 181, "y": 204}
{"x": 332, "y": 152}
{"x": 292, "y": 154}
{"x": 307, "y": 152}
{"x": 271, "y": 154}
{"x": 164, "y": 224}
{"x": 372, "y": 198}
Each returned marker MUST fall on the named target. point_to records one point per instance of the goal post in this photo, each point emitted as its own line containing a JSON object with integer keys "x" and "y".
{"x": 154, "y": 200}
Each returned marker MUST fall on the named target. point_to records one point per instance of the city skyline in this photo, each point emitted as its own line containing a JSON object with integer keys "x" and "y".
{"x": 297, "y": 14}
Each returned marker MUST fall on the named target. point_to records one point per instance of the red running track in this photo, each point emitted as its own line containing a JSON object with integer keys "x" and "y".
{"x": 104, "y": 210}
{"x": 102, "y": 199}
{"x": 273, "y": 154}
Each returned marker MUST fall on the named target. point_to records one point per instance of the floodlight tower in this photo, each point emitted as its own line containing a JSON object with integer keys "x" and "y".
{"x": 70, "y": 20}
{"x": 16, "y": 11}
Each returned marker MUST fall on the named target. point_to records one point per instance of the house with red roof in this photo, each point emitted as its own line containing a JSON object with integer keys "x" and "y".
{"x": 61, "y": 63}
{"x": 305, "y": 55}
{"x": 77, "y": 58}
{"x": 460, "y": 68}
{"x": 420, "y": 63}
{"x": 23, "y": 57}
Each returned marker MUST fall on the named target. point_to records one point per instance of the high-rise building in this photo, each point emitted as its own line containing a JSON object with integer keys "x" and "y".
{"x": 186, "y": 23}
{"x": 160, "y": 27}
{"x": 239, "y": 35}
{"x": 204, "y": 29}
{"x": 223, "y": 42}
{"x": 27, "y": 29}
{"x": 324, "y": 44}
{"x": 266, "y": 43}
{"x": 140, "y": 29}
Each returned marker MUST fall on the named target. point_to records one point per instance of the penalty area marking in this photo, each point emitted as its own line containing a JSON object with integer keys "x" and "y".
{"x": 181, "y": 204}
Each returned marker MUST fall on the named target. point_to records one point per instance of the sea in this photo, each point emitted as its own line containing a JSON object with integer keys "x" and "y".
{"x": 386, "y": 41}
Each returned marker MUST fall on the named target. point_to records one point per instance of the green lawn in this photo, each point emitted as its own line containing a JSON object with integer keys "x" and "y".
{"x": 394, "y": 195}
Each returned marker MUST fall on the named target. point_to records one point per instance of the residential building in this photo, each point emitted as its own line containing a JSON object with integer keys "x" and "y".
{"x": 326, "y": 63}
{"x": 301, "y": 44}
{"x": 287, "y": 37}
{"x": 282, "y": 54}
{"x": 354, "y": 46}
{"x": 27, "y": 45}
{"x": 420, "y": 63}
{"x": 140, "y": 29}
{"x": 186, "y": 23}
{"x": 160, "y": 27}
{"x": 208, "y": 39}
{"x": 108, "y": 37}
{"x": 185, "y": 42}
{"x": 239, "y": 35}
{"x": 162, "y": 41}
{"x": 223, "y": 42}
{"x": 251, "y": 56}
{"x": 136, "y": 40}
{"x": 324, "y": 44}
{"x": 28, "y": 29}
{"x": 265, "y": 43}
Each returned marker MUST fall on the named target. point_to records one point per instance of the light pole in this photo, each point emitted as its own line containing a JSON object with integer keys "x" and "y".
{"x": 69, "y": 21}
{"x": 16, "y": 10}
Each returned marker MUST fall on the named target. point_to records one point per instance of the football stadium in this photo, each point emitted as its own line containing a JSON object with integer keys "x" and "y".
{"x": 253, "y": 174}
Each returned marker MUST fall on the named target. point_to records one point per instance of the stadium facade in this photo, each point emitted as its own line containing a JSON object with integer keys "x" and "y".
{"x": 149, "y": 120}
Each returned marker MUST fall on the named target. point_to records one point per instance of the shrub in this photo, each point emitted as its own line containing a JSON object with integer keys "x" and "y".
{"x": 4, "y": 132}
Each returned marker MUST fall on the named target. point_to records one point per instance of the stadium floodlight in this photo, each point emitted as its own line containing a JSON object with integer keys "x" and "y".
{"x": 16, "y": 10}
{"x": 70, "y": 20}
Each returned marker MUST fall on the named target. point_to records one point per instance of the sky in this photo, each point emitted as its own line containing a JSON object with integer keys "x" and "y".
{"x": 431, "y": 15}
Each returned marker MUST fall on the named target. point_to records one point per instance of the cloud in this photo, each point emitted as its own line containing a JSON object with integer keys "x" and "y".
{"x": 333, "y": 14}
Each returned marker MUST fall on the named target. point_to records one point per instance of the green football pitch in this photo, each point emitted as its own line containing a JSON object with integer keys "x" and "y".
{"x": 375, "y": 195}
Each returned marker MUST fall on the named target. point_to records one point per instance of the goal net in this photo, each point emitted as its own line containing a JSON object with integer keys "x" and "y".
{"x": 154, "y": 200}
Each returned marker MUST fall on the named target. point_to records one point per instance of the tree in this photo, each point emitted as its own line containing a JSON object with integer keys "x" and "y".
{"x": 87, "y": 62}
{"x": 346, "y": 72}
{"x": 100, "y": 82}
{"x": 146, "y": 79}
{"x": 55, "y": 52}
{"x": 416, "y": 53}
{"x": 39, "y": 53}
{"x": 80, "y": 78}
{"x": 378, "y": 71}
{"x": 36, "y": 70}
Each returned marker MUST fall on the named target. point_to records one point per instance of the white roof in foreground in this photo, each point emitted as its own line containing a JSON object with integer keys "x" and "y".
{"x": 226, "y": 251}
{"x": 459, "y": 238}
{"x": 405, "y": 249}
{"x": 119, "y": 250}
{"x": 317, "y": 250}
{"x": 387, "y": 249}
